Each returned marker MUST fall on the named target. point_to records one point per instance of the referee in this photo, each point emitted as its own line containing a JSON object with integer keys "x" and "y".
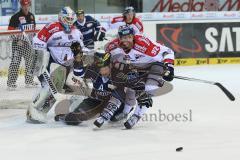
{"x": 20, "y": 45}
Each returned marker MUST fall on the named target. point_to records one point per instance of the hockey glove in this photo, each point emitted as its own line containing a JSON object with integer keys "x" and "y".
{"x": 77, "y": 50}
{"x": 169, "y": 72}
{"x": 145, "y": 100}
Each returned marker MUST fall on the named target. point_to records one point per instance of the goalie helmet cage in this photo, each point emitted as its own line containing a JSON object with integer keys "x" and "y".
{"x": 20, "y": 97}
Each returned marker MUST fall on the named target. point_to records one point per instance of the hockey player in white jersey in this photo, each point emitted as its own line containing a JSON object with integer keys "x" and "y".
{"x": 57, "y": 37}
{"x": 141, "y": 52}
{"x": 53, "y": 42}
{"x": 128, "y": 18}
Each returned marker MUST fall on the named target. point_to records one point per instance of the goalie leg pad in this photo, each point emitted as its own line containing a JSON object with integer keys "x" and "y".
{"x": 38, "y": 109}
{"x": 58, "y": 76}
{"x": 40, "y": 62}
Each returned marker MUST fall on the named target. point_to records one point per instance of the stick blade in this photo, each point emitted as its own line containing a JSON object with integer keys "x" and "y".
{"x": 227, "y": 93}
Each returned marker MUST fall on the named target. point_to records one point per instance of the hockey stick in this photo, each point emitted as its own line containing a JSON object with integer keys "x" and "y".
{"x": 225, "y": 91}
{"x": 219, "y": 85}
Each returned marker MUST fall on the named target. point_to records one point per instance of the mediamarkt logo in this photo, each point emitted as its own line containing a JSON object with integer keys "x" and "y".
{"x": 196, "y": 5}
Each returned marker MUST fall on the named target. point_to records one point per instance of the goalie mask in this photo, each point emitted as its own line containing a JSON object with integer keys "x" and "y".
{"x": 67, "y": 17}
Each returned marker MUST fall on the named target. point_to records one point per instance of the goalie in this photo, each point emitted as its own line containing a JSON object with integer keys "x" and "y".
{"x": 52, "y": 45}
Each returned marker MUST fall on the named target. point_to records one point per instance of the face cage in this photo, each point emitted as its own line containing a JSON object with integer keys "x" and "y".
{"x": 68, "y": 20}
{"x": 67, "y": 23}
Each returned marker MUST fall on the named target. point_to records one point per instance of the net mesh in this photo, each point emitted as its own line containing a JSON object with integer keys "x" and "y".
{"x": 11, "y": 41}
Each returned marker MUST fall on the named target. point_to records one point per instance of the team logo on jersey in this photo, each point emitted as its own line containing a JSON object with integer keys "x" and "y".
{"x": 137, "y": 56}
{"x": 100, "y": 87}
{"x": 22, "y": 20}
{"x": 70, "y": 37}
{"x": 66, "y": 44}
{"x": 140, "y": 48}
{"x": 55, "y": 29}
{"x": 57, "y": 38}
{"x": 89, "y": 25}
{"x": 87, "y": 32}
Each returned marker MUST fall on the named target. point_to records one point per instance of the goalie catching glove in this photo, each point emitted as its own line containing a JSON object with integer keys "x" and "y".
{"x": 77, "y": 51}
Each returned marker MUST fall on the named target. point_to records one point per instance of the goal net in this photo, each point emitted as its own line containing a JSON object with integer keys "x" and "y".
{"x": 8, "y": 41}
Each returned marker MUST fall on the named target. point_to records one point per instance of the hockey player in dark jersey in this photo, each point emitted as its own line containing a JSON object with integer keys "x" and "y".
{"x": 25, "y": 20}
{"x": 108, "y": 93}
{"x": 99, "y": 73}
{"x": 90, "y": 28}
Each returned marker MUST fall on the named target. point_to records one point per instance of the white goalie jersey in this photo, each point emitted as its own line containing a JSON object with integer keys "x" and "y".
{"x": 54, "y": 39}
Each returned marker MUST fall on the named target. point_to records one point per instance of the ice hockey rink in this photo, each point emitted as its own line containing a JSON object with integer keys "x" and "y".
{"x": 212, "y": 133}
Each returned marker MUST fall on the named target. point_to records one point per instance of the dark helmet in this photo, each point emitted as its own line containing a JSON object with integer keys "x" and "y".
{"x": 80, "y": 11}
{"x": 102, "y": 59}
{"x": 125, "y": 30}
{"x": 127, "y": 10}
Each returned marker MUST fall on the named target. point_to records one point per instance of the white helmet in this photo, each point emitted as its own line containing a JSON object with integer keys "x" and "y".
{"x": 67, "y": 17}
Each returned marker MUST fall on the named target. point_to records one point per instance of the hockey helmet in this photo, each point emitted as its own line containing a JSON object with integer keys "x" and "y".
{"x": 128, "y": 10}
{"x": 80, "y": 11}
{"x": 125, "y": 30}
{"x": 67, "y": 17}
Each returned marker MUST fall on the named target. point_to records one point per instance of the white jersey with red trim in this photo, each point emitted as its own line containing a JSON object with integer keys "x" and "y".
{"x": 143, "y": 53}
{"x": 136, "y": 24}
{"x": 57, "y": 41}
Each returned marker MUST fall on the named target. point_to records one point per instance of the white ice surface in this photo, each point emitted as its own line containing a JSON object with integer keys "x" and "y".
{"x": 213, "y": 133}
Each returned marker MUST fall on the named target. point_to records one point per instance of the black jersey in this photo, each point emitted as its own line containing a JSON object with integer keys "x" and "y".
{"x": 27, "y": 21}
{"x": 88, "y": 29}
